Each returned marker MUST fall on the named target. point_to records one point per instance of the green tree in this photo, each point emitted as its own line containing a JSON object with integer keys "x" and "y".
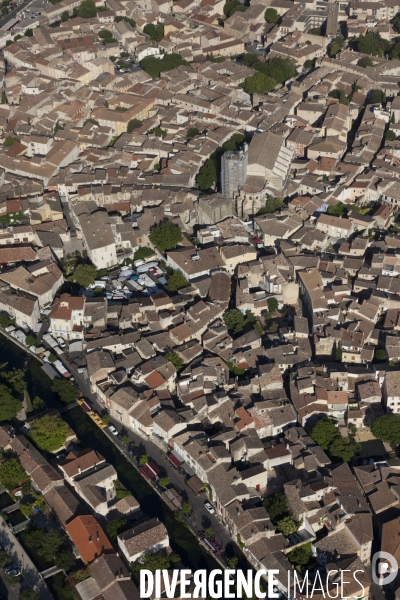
{"x": 396, "y": 23}
{"x": 133, "y": 124}
{"x": 105, "y": 34}
{"x": 176, "y": 360}
{"x": 186, "y": 508}
{"x": 30, "y": 340}
{"x": 340, "y": 95}
{"x": 158, "y": 132}
{"x": 380, "y": 354}
{"x": 165, "y": 236}
{"x": 12, "y": 473}
{"x": 142, "y": 253}
{"x": 14, "y": 379}
{"x": 276, "y": 506}
{"x": 106, "y": 419}
{"x": 343, "y": 449}
{"x": 309, "y": 64}
{"x": 207, "y": 175}
{"x": 271, "y": 205}
{"x": 156, "y": 32}
{"x": 259, "y": 84}
{"x": 121, "y": 491}
{"x": 144, "y": 459}
{"x": 324, "y": 432}
{"x": 164, "y": 482}
{"x": 301, "y": 555}
{"x": 192, "y": 132}
{"x": 287, "y": 526}
{"x": 232, "y": 6}
{"x": 9, "y": 406}
{"x": 11, "y": 580}
{"x": 272, "y": 304}
{"x": 38, "y": 404}
{"x": 271, "y": 16}
{"x": 64, "y": 16}
{"x": 4, "y": 319}
{"x": 131, "y": 22}
{"x": 92, "y": 121}
{"x": 28, "y": 32}
{"x": 154, "y": 66}
{"x": 87, "y": 9}
{"x": 84, "y": 275}
{"x": 234, "y": 320}
{"x": 338, "y": 352}
{"x": 9, "y": 141}
{"x": 176, "y": 281}
{"x": 153, "y": 561}
{"x": 338, "y": 210}
{"x": 377, "y": 97}
{"x": 28, "y": 594}
{"x": 209, "y": 532}
{"x": 49, "y": 432}
{"x": 117, "y": 526}
{"x": 371, "y": 43}
{"x": 365, "y": 61}
{"x": 233, "y": 561}
{"x": 65, "y": 390}
{"x": 385, "y": 428}
{"x": 335, "y": 46}
{"x": 390, "y": 135}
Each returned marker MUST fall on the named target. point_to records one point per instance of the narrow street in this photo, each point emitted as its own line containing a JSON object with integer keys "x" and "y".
{"x": 30, "y": 575}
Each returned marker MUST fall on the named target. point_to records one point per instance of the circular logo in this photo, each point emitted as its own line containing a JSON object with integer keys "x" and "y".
{"x": 385, "y": 571}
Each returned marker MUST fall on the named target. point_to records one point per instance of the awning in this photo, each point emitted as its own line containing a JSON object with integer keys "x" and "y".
{"x": 188, "y": 469}
{"x": 147, "y": 472}
{"x": 174, "y": 459}
{"x": 196, "y": 484}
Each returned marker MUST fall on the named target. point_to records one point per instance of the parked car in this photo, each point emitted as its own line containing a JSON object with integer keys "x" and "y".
{"x": 210, "y": 508}
{"x": 112, "y": 430}
{"x": 12, "y": 570}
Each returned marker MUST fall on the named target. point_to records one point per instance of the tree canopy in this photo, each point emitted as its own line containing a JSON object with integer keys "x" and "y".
{"x": 84, "y": 275}
{"x": 234, "y": 320}
{"x": 343, "y": 449}
{"x": 396, "y": 23}
{"x": 12, "y": 474}
{"x": 301, "y": 555}
{"x": 271, "y": 15}
{"x": 390, "y": 136}
{"x": 324, "y": 432}
{"x": 51, "y": 545}
{"x": 271, "y": 205}
{"x": 153, "y": 561}
{"x": 176, "y": 281}
{"x": 154, "y": 66}
{"x": 232, "y": 6}
{"x": 142, "y": 253}
{"x": 387, "y": 428}
{"x": 156, "y": 32}
{"x": 340, "y": 95}
{"x": 371, "y": 43}
{"x": 287, "y": 526}
{"x": 133, "y": 124}
{"x": 380, "y": 354}
{"x": 279, "y": 69}
{"x": 165, "y": 236}
{"x": 117, "y": 526}
{"x": 28, "y": 594}
{"x": 335, "y": 46}
{"x": 87, "y": 9}
{"x": 49, "y": 432}
{"x": 377, "y": 97}
{"x": 176, "y": 360}
{"x": 276, "y": 506}
{"x": 65, "y": 390}
{"x": 192, "y": 132}
{"x": 365, "y": 61}
{"x": 9, "y": 406}
{"x": 258, "y": 84}
{"x": 9, "y": 141}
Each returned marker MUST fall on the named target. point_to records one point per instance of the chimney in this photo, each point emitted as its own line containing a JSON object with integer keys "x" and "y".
{"x": 97, "y": 536}
{"x": 90, "y": 539}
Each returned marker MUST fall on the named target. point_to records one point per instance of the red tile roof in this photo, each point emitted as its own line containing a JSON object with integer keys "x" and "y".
{"x": 89, "y": 538}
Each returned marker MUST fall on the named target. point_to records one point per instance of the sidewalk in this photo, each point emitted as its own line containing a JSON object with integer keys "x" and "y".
{"x": 30, "y": 574}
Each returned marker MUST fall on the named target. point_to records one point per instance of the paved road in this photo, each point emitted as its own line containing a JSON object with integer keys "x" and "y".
{"x": 30, "y": 574}
{"x": 200, "y": 518}
{"x": 13, "y": 14}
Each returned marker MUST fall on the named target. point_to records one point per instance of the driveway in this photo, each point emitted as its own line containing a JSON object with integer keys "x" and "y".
{"x": 30, "y": 574}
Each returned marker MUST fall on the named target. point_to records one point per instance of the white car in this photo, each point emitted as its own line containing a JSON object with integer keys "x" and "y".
{"x": 112, "y": 430}
{"x": 208, "y": 507}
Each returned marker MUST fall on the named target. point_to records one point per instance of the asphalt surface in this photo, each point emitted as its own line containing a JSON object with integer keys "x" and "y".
{"x": 13, "y": 14}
